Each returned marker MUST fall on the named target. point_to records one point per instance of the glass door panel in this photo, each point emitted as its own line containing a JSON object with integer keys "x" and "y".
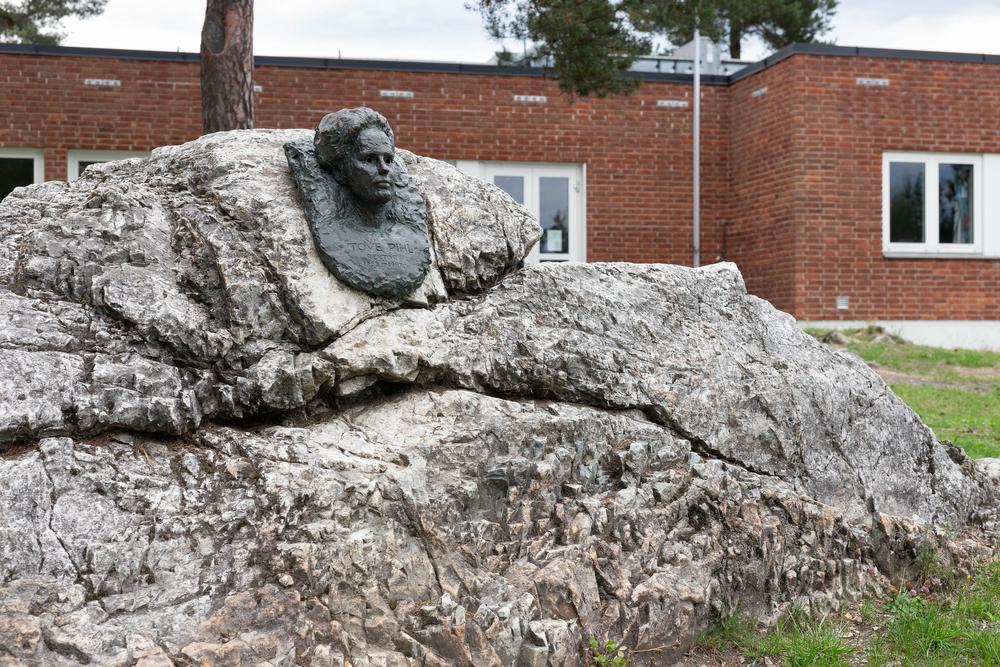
{"x": 553, "y": 214}
{"x": 554, "y": 195}
{"x": 512, "y": 185}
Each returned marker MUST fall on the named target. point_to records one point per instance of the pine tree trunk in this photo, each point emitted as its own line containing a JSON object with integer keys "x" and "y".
{"x": 735, "y": 41}
{"x": 227, "y": 66}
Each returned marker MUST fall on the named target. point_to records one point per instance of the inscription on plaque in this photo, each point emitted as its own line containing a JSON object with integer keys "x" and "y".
{"x": 386, "y": 252}
{"x": 365, "y": 213}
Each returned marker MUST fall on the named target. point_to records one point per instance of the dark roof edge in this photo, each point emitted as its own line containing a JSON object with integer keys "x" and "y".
{"x": 334, "y": 63}
{"x": 860, "y": 52}
{"x": 467, "y": 68}
{"x": 457, "y": 68}
{"x": 123, "y": 54}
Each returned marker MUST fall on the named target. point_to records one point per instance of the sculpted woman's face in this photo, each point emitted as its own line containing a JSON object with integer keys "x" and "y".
{"x": 366, "y": 172}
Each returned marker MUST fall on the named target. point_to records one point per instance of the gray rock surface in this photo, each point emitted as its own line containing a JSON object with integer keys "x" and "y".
{"x": 211, "y": 452}
{"x": 990, "y": 467}
{"x": 151, "y": 294}
{"x": 698, "y": 355}
{"x": 442, "y": 526}
{"x": 480, "y": 233}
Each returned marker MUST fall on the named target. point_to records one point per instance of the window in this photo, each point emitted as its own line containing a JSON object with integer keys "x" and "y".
{"x": 19, "y": 167}
{"x": 80, "y": 160}
{"x": 554, "y": 194}
{"x": 935, "y": 204}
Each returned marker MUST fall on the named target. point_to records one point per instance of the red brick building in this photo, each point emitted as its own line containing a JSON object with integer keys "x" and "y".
{"x": 849, "y": 185}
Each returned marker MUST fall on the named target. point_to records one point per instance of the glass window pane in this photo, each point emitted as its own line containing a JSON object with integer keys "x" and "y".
{"x": 512, "y": 185}
{"x": 906, "y": 202}
{"x": 553, "y": 213}
{"x": 955, "y": 203}
{"x": 15, "y": 172}
{"x": 81, "y": 165}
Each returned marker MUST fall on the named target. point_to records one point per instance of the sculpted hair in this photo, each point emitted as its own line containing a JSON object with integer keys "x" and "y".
{"x": 336, "y": 137}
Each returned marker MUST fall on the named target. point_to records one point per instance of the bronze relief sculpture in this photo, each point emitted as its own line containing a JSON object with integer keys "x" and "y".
{"x": 366, "y": 216}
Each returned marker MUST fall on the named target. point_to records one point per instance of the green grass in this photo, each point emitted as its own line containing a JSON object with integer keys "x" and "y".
{"x": 970, "y": 419}
{"x": 938, "y": 619}
{"x": 871, "y": 345}
{"x": 799, "y": 643}
{"x": 956, "y": 392}
{"x": 929, "y": 362}
{"x": 731, "y": 630}
{"x": 960, "y": 626}
{"x": 608, "y": 654}
{"x": 906, "y": 356}
{"x": 795, "y": 640}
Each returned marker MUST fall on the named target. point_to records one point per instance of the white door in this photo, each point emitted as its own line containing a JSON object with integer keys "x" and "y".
{"x": 554, "y": 194}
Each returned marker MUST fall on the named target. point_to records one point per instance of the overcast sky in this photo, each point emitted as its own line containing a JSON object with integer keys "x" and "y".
{"x": 445, "y": 30}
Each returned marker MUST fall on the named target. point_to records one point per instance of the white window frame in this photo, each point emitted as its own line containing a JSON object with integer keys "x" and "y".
{"x": 35, "y": 154}
{"x": 78, "y": 156}
{"x": 532, "y": 172}
{"x": 985, "y": 225}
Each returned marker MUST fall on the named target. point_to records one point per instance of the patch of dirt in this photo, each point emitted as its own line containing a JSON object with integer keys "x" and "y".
{"x": 898, "y": 377}
{"x": 982, "y": 374}
{"x": 983, "y": 380}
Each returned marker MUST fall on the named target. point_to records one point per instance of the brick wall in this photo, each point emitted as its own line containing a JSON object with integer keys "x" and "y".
{"x": 796, "y": 170}
{"x": 45, "y": 105}
{"x": 638, "y": 156}
{"x": 764, "y": 208}
{"x": 928, "y": 106}
{"x": 806, "y": 183}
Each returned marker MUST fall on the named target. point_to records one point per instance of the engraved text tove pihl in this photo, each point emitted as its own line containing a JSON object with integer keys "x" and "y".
{"x": 366, "y": 216}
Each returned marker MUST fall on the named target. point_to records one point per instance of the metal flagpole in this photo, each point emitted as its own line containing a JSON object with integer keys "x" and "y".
{"x": 696, "y": 245}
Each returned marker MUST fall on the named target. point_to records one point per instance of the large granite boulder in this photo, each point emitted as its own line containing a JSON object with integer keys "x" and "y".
{"x": 212, "y": 452}
{"x": 695, "y": 354}
{"x": 151, "y": 294}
